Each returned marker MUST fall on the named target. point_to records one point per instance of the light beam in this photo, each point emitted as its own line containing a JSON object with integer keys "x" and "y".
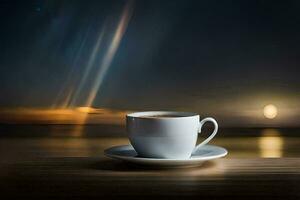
{"x": 107, "y": 59}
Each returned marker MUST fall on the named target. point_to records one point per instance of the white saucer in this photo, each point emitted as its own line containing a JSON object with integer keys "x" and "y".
{"x": 128, "y": 154}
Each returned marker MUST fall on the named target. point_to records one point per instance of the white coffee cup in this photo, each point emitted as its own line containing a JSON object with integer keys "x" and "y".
{"x": 166, "y": 134}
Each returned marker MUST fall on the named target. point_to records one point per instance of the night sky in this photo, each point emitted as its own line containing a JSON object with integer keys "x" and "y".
{"x": 222, "y": 58}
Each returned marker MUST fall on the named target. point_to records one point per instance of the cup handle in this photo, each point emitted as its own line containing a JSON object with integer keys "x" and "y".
{"x": 208, "y": 119}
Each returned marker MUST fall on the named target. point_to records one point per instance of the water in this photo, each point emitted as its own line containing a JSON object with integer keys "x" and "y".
{"x": 101, "y": 130}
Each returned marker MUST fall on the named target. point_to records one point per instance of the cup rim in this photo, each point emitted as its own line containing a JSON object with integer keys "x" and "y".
{"x": 144, "y": 114}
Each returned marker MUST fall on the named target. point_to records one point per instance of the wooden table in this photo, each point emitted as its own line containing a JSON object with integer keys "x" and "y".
{"x": 264, "y": 167}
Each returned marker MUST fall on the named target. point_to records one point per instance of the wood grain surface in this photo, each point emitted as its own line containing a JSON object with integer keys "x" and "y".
{"x": 265, "y": 167}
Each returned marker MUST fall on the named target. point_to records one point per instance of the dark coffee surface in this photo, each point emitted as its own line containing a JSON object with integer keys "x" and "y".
{"x": 162, "y": 116}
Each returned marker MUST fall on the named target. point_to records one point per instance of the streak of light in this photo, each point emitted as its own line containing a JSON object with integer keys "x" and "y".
{"x": 78, "y": 128}
{"x": 104, "y": 66}
{"x": 108, "y": 57}
{"x": 70, "y": 82}
{"x": 67, "y": 99}
{"x": 89, "y": 67}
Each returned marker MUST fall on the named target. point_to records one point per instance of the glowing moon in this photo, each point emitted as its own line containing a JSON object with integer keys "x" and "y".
{"x": 270, "y": 111}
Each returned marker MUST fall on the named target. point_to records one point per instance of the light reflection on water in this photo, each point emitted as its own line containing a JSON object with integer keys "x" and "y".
{"x": 270, "y": 144}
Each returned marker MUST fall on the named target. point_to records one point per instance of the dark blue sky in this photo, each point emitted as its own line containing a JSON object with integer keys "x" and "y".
{"x": 188, "y": 55}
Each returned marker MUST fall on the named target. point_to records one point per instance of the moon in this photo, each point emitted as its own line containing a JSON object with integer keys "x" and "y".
{"x": 270, "y": 111}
